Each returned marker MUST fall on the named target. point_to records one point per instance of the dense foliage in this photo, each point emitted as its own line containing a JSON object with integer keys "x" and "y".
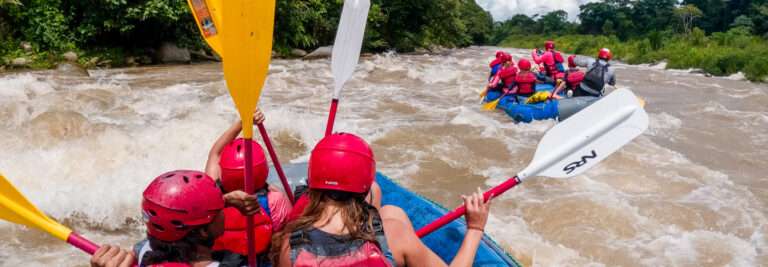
{"x": 132, "y": 26}
{"x": 721, "y": 37}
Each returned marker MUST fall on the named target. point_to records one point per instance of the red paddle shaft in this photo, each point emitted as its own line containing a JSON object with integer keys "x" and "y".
{"x": 331, "y": 117}
{"x": 276, "y": 161}
{"x": 458, "y": 212}
{"x": 250, "y": 189}
{"x": 83, "y": 244}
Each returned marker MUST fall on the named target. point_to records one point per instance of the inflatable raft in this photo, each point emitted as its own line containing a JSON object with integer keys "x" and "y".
{"x": 561, "y": 109}
{"x": 445, "y": 242}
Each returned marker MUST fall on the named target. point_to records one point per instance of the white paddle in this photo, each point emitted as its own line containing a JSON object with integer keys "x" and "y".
{"x": 574, "y": 145}
{"x": 346, "y": 50}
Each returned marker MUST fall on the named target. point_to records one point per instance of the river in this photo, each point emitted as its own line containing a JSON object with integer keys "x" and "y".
{"x": 690, "y": 191}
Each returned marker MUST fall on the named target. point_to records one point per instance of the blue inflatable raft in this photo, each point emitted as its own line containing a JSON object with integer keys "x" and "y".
{"x": 561, "y": 109}
{"x": 445, "y": 241}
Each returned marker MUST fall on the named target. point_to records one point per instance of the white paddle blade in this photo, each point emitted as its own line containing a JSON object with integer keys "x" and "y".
{"x": 349, "y": 41}
{"x": 575, "y": 145}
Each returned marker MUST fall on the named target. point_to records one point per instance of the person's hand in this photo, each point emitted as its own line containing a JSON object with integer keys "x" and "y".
{"x": 477, "y": 210}
{"x": 112, "y": 256}
{"x": 258, "y": 116}
{"x": 247, "y": 204}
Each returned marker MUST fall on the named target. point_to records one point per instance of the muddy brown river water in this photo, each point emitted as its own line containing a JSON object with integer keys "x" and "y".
{"x": 690, "y": 191}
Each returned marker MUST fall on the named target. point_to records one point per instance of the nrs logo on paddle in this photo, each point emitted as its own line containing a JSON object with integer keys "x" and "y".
{"x": 576, "y": 164}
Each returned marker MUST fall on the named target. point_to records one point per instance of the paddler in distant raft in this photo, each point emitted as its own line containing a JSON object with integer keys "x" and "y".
{"x": 571, "y": 80}
{"x": 495, "y": 65}
{"x": 226, "y": 164}
{"x": 524, "y": 82}
{"x": 339, "y": 228}
{"x": 504, "y": 79}
{"x": 598, "y": 74}
{"x": 552, "y": 62}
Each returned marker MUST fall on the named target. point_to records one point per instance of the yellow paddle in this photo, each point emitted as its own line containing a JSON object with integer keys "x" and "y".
{"x": 15, "y": 208}
{"x": 209, "y": 13}
{"x": 248, "y": 41}
{"x": 492, "y": 105}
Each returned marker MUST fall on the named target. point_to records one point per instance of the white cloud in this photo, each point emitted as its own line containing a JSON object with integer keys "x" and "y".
{"x": 504, "y": 9}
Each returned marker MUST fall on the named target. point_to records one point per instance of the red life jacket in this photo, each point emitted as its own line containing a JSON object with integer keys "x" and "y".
{"x": 550, "y": 60}
{"x": 573, "y": 78}
{"x": 235, "y": 238}
{"x": 525, "y": 83}
{"x": 508, "y": 75}
{"x": 313, "y": 247}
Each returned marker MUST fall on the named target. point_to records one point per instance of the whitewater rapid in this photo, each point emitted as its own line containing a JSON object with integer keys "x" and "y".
{"x": 691, "y": 191}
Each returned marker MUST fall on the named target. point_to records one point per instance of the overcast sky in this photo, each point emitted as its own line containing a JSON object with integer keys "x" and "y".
{"x": 504, "y": 9}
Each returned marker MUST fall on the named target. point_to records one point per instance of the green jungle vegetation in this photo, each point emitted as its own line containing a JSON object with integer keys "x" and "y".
{"x": 720, "y": 37}
{"x": 113, "y": 29}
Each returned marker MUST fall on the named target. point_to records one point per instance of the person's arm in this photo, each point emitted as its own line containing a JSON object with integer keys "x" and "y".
{"x": 408, "y": 249}
{"x": 536, "y": 57}
{"x": 558, "y": 89}
{"x": 477, "y": 217}
{"x": 112, "y": 256}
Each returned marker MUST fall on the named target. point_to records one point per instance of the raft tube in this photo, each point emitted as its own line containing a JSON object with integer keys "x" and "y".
{"x": 445, "y": 242}
{"x": 552, "y": 109}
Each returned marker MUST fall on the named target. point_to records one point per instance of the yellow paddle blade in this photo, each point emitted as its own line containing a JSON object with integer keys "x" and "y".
{"x": 538, "y": 97}
{"x": 15, "y": 208}
{"x": 641, "y": 101}
{"x": 491, "y": 105}
{"x": 248, "y": 39}
{"x": 208, "y": 17}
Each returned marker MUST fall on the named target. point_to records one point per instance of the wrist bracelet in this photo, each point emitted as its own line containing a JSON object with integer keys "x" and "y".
{"x": 476, "y": 228}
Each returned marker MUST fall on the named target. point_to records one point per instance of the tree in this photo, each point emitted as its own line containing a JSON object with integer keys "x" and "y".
{"x": 554, "y": 22}
{"x": 743, "y": 22}
{"x": 654, "y": 14}
{"x": 687, "y": 14}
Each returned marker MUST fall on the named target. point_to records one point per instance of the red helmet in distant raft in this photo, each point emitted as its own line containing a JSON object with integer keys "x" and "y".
{"x": 572, "y": 61}
{"x": 507, "y": 57}
{"x": 500, "y": 53}
{"x": 175, "y": 202}
{"x": 524, "y": 64}
{"x": 232, "y": 164}
{"x": 605, "y": 53}
{"x": 342, "y": 162}
{"x": 549, "y": 45}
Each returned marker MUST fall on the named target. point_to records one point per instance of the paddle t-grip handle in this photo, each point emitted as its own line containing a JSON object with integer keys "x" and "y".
{"x": 331, "y": 117}
{"x": 83, "y": 244}
{"x": 276, "y": 162}
{"x": 250, "y": 189}
{"x": 458, "y": 212}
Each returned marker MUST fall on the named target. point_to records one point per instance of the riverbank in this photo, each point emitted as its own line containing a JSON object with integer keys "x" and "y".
{"x": 719, "y": 54}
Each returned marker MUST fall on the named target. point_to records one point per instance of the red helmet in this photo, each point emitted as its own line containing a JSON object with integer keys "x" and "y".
{"x": 500, "y": 53}
{"x": 549, "y": 45}
{"x": 342, "y": 162}
{"x": 572, "y": 61}
{"x": 605, "y": 53}
{"x": 524, "y": 64}
{"x": 232, "y": 164}
{"x": 507, "y": 57}
{"x": 177, "y": 201}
